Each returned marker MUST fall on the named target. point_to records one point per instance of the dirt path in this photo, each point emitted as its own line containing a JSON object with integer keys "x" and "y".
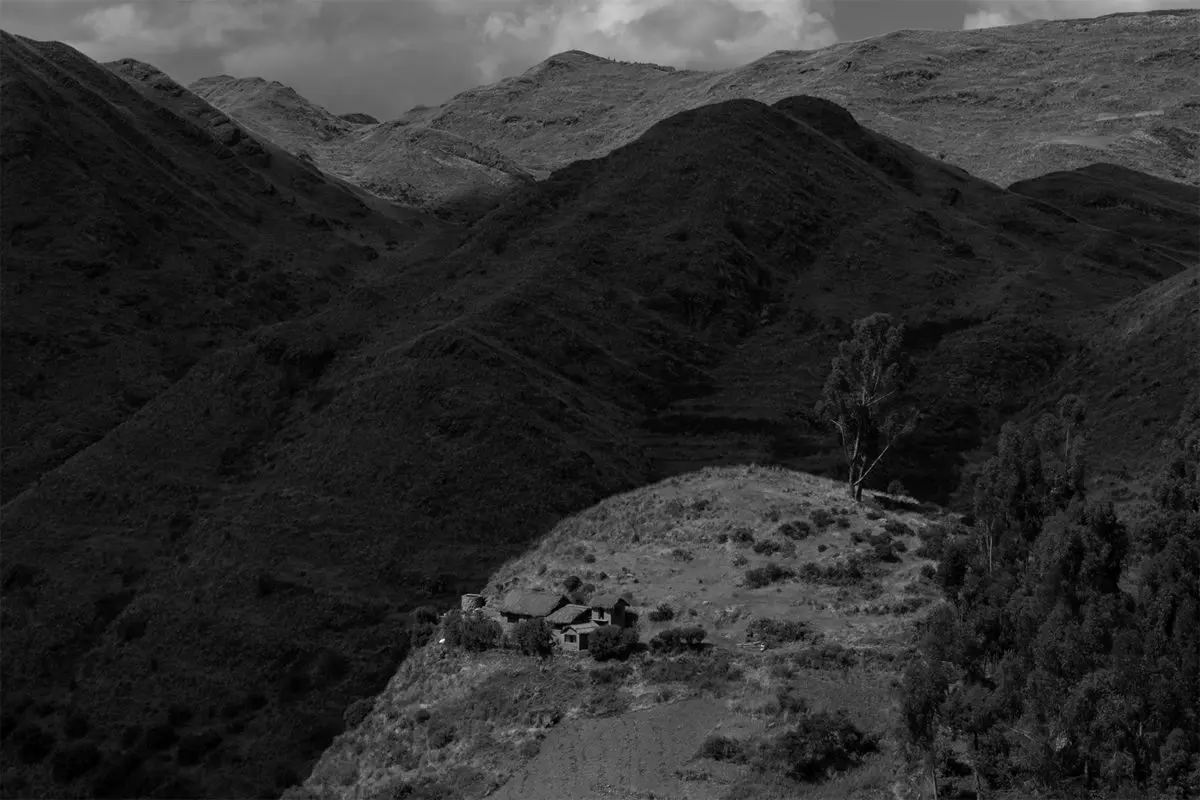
{"x": 620, "y": 757}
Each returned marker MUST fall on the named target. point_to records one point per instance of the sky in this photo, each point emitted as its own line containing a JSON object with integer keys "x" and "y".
{"x": 384, "y": 56}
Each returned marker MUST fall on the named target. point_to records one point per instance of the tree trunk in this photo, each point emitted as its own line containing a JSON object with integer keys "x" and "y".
{"x": 933, "y": 777}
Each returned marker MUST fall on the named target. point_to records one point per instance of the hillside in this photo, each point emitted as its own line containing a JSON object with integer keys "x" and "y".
{"x": 503, "y": 725}
{"x": 1006, "y": 103}
{"x": 138, "y": 240}
{"x": 211, "y": 583}
{"x": 431, "y": 170}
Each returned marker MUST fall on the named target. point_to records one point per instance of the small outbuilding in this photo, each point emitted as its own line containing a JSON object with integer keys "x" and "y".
{"x": 575, "y": 637}
{"x": 609, "y": 609}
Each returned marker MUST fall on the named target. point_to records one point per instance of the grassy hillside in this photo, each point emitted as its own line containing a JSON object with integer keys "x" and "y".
{"x": 464, "y": 724}
{"x": 1006, "y": 103}
{"x": 432, "y": 170}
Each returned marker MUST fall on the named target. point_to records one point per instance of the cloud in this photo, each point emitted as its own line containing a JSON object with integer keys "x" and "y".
{"x": 680, "y": 33}
{"x": 994, "y": 13}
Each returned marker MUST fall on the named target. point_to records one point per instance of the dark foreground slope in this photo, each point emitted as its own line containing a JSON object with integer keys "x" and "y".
{"x": 136, "y": 240}
{"x": 1006, "y": 103}
{"x": 433, "y": 170}
{"x": 229, "y": 567}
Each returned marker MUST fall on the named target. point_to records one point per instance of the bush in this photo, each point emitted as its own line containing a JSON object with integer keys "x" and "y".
{"x": 933, "y": 541}
{"x": 357, "y": 711}
{"x": 777, "y": 631}
{"x": 759, "y": 577}
{"x": 471, "y": 632}
{"x": 193, "y": 746}
{"x": 743, "y": 536}
{"x": 681, "y": 554}
{"x": 819, "y": 743}
{"x": 674, "y": 640}
{"x": 664, "y": 613}
{"x": 722, "y": 748}
{"x": 532, "y": 637}
{"x": 739, "y": 560}
{"x": 33, "y": 743}
{"x": 74, "y": 759}
{"x": 612, "y": 642}
{"x": 821, "y": 518}
{"x": 590, "y": 558}
{"x": 897, "y": 528}
{"x": 825, "y": 656}
{"x": 611, "y": 674}
{"x": 797, "y": 529}
{"x": 896, "y": 488}
{"x": 766, "y": 547}
{"x": 849, "y": 572}
{"x": 572, "y": 583}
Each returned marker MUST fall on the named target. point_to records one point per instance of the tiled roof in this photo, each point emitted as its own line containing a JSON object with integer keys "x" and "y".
{"x": 567, "y": 614}
{"x": 531, "y": 603}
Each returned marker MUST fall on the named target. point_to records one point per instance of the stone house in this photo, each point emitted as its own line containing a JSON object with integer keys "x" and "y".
{"x": 609, "y": 609}
{"x": 569, "y": 626}
{"x": 523, "y": 604}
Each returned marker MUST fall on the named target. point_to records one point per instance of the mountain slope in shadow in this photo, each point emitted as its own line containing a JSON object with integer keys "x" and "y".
{"x": 233, "y": 564}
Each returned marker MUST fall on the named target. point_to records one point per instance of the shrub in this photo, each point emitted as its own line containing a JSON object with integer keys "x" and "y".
{"x": 759, "y": 577}
{"x": 896, "y": 488}
{"x": 933, "y": 541}
{"x": 663, "y": 613}
{"x": 681, "y": 554}
{"x": 843, "y": 522}
{"x": 722, "y": 537}
{"x": 766, "y": 547}
{"x": 739, "y": 560}
{"x": 789, "y": 701}
{"x": 193, "y": 746}
{"x": 825, "y": 656}
{"x": 471, "y": 632}
{"x": 897, "y": 528}
{"x": 821, "y": 518}
{"x": 743, "y": 536}
{"x": 572, "y": 583}
{"x": 357, "y": 711}
{"x": 778, "y": 630}
{"x": 425, "y": 615}
{"x": 590, "y": 558}
{"x": 33, "y": 743}
{"x": 722, "y": 748}
{"x": 874, "y": 515}
{"x": 612, "y": 642}
{"x": 613, "y": 673}
{"x": 819, "y": 743}
{"x": 532, "y": 637}
{"x": 674, "y": 640}
{"x": 441, "y": 733}
{"x": 841, "y": 573}
{"x": 796, "y": 529}
{"x": 74, "y": 759}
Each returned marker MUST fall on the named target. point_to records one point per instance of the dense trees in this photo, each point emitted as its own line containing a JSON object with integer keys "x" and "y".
{"x": 862, "y": 396}
{"x": 1069, "y": 655}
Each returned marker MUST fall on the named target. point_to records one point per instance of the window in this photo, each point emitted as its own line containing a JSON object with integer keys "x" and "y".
{"x": 570, "y": 637}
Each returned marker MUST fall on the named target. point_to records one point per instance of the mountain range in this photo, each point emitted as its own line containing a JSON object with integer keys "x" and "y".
{"x": 274, "y": 377}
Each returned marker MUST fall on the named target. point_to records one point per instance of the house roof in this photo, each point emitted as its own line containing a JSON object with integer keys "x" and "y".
{"x": 530, "y": 603}
{"x": 567, "y": 614}
{"x": 584, "y": 627}
{"x": 607, "y": 601}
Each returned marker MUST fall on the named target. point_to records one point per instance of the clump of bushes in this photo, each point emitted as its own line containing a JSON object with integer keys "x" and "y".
{"x": 74, "y": 759}
{"x": 759, "y": 577}
{"x": 897, "y": 528}
{"x": 681, "y": 554}
{"x": 532, "y": 637}
{"x": 610, "y": 674}
{"x": 821, "y": 518}
{"x": 674, "y": 640}
{"x": 722, "y": 748}
{"x": 767, "y": 547}
{"x": 896, "y": 488}
{"x": 742, "y": 536}
{"x": 825, "y": 656}
{"x": 664, "y": 613}
{"x": 933, "y": 541}
{"x": 778, "y": 631}
{"x": 471, "y": 632}
{"x": 612, "y": 642}
{"x": 357, "y": 711}
{"x": 818, "y": 744}
{"x": 796, "y": 530}
{"x": 849, "y": 572}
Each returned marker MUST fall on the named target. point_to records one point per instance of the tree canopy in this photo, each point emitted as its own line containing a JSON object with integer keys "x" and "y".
{"x": 862, "y": 398}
